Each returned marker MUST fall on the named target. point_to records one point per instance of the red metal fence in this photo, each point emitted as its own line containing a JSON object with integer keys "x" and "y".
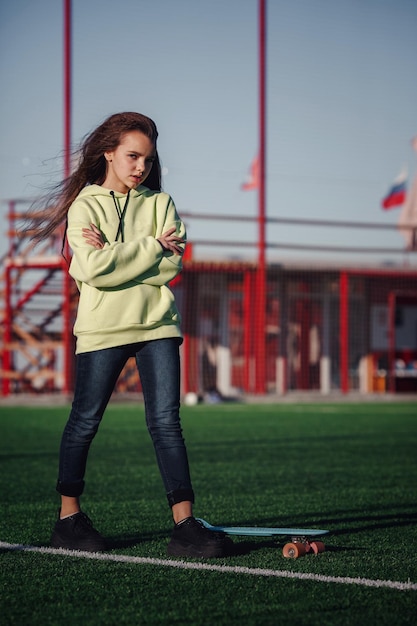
{"x": 324, "y": 328}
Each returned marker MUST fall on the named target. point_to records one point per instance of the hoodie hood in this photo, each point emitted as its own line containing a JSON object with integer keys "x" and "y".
{"x": 117, "y": 201}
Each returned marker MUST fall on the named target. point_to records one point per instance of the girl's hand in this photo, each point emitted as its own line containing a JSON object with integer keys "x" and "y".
{"x": 93, "y": 236}
{"x": 170, "y": 242}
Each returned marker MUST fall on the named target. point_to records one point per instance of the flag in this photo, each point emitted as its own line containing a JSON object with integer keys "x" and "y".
{"x": 252, "y": 181}
{"x": 397, "y": 194}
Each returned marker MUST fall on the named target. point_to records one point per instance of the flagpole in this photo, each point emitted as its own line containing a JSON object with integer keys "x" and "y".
{"x": 260, "y": 341}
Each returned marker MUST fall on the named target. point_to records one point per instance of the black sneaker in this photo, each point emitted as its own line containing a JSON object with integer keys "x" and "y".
{"x": 191, "y": 538}
{"x": 77, "y": 533}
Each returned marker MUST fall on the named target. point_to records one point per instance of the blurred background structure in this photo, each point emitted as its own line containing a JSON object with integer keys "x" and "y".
{"x": 328, "y": 327}
{"x": 287, "y": 137}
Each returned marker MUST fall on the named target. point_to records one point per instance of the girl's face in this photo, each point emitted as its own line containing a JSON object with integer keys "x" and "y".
{"x": 130, "y": 163}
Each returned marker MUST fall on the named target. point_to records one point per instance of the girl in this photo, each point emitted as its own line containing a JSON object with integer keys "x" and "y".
{"x": 127, "y": 241}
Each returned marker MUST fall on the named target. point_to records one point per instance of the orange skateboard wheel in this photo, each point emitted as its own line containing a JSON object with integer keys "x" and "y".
{"x": 317, "y": 546}
{"x": 294, "y": 550}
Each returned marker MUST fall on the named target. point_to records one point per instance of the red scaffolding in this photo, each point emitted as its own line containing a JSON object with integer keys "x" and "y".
{"x": 39, "y": 300}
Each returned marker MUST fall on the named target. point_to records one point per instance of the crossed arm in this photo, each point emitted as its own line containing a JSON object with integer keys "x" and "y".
{"x": 168, "y": 240}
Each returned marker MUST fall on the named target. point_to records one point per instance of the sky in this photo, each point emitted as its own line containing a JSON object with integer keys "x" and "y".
{"x": 341, "y": 109}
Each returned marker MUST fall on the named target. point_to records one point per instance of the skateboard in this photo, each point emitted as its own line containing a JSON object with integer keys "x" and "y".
{"x": 302, "y": 539}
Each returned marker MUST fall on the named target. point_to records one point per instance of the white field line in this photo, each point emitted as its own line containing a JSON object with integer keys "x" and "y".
{"x": 226, "y": 569}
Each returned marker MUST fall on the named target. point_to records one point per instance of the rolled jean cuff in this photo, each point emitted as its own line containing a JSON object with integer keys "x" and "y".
{"x": 72, "y": 490}
{"x": 180, "y": 495}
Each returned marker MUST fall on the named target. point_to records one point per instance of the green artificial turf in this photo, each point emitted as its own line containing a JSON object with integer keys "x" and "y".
{"x": 351, "y": 468}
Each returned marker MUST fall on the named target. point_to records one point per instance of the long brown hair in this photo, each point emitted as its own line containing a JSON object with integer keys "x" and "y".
{"x": 91, "y": 169}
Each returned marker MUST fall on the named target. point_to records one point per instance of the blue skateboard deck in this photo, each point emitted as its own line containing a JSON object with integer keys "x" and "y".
{"x": 259, "y": 531}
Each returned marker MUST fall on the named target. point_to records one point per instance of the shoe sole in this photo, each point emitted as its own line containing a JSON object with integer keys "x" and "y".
{"x": 58, "y": 542}
{"x": 193, "y": 551}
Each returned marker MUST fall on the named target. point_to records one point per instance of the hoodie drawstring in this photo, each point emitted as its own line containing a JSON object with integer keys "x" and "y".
{"x": 120, "y": 214}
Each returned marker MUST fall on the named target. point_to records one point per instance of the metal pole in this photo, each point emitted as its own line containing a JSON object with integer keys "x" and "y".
{"x": 66, "y": 310}
{"x": 8, "y": 333}
{"x": 260, "y": 347}
{"x": 262, "y": 129}
{"x": 344, "y": 331}
{"x": 67, "y": 87}
{"x": 249, "y": 283}
{"x": 392, "y": 301}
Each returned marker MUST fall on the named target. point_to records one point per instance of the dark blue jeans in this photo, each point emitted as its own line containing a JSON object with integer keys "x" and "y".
{"x": 158, "y": 364}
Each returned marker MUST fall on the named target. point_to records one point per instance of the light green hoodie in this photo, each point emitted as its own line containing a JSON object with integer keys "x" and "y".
{"x": 124, "y": 293}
